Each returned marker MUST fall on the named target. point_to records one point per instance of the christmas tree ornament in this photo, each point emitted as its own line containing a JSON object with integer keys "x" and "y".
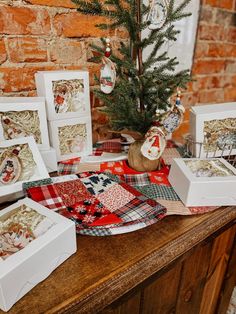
{"x": 154, "y": 144}
{"x": 12, "y": 129}
{"x": 10, "y": 167}
{"x": 108, "y": 48}
{"x": 173, "y": 118}
{"x": 107, "y": 76}
{"x": 157, "y": 14}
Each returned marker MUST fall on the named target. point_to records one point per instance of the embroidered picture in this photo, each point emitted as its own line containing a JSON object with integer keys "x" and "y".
{"x": 17, "y": 124}
{"x": 218, "y": 133}
{"x": 20, "y": 227}
{"x": 72, "y": 138}
{"x": 16, "y": 164}
{"x": 208, "y": 168}
{"x": 69, "y": 95}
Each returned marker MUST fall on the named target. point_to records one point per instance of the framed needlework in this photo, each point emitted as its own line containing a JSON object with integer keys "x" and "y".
{"x": 20, "y": 161}
{"x": 204, "y": 181}
{"x": 66, "y": 93}
{"x": 71, "y": 137}
{"x": 23, "y": 117}
{"x": 213, "y": 129}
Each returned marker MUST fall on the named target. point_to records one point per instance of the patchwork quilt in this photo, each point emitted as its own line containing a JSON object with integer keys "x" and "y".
{"x": 98, "y": 204}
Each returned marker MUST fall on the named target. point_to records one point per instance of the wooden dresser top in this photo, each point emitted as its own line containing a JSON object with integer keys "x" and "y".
{"x": 104, "y": 268}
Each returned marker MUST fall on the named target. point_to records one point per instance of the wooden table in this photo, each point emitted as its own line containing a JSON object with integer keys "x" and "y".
{"x": 178, "y": 265}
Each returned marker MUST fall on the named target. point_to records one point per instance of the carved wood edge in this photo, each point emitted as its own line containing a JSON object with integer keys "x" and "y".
{"x": 116, "y": 286}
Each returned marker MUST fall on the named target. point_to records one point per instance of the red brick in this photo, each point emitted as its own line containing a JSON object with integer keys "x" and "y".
{"x": 27, "y": 49}
{"x": 19, "y": 79}
{"x": 3, "y": 53}
{"x": 201, "y": 50}
{"x": 70, "y": 52}
{"x": 225, "y": 17}
{"x": 99, "y": 117}
{"x": 230, "y": 66}
{"x": 93, "y": 68}
{"x": 208, "y": 66}
{"x": 211, "y": 32}
{"x": 211, "y": 96}
{"x": 222, "y": 50}
{"x": 208, "y": 82}
{"x": 23, "y": 21}
{"x": 230, "y": 94}
{"x": 53, "y": 3}
{"x": 206, "y": 15}
{"x": 231, "y": 35}
{"x": 74, "y": 24}
{"x": 224, "y": 4}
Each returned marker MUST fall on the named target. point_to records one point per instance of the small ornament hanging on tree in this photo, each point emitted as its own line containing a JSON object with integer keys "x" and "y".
{"x": 108, "y": 71}
{"x": 157, "y": 14}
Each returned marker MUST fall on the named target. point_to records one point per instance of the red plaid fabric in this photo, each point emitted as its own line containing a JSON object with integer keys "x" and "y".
{"x": 137, "y": 179}
{"x": 130, "y": 189}
{"x": 47, "y": 196}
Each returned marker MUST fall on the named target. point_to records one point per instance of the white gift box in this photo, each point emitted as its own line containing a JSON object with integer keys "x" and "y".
{"x": 11, "y": 191}
{"x": 77, "y": 140}
{"x": 66, "y": 92}
{"x": 194, "y": 187}
{"x": 23, "y": 270}
{"x": 205, "y": 127}
{"x": 26, "y": 107}
{"x": 50, "y": 159}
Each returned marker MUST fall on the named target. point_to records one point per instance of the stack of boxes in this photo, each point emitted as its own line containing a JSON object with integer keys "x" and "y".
{"x": 68, "y": 111}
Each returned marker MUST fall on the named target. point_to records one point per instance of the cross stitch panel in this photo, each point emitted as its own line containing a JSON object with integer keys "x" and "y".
{"x": 16, "y": 164}
{"x": 72, "y": 138}
{"x": 16, "y": 124}
{"x": 219, "y": 132}
{"x": 19, "y": 227}
{"x": 208, "y": 168}
{"x": 69, "y": 95}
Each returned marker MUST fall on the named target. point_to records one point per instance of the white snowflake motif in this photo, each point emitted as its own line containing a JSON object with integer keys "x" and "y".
{"x": 88, "y": 218}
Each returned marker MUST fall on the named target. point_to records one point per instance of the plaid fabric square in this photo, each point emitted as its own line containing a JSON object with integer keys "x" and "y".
{"x": 115, "y": 197}
{"x": 160, "y": 179}
{"x": 67, "y": 168}
{"x": 94, "y": 232}
{"x": 71, "y": 192}
{"x": 138, "y": 209}
{"x": 27, "y": 185}
{"x": 159, "y": 192}
{"x": 97, "y": 183}
{"x": 47, "y": 196}
{"x": 137, "y": 179}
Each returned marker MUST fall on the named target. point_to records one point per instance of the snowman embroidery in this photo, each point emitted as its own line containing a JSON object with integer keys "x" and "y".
{"x": 10, "y": 167}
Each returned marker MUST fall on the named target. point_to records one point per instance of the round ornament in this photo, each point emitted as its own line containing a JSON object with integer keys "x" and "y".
{"x": 172, "y": 121}
{"x": 157, "y": 14}
{"x": 10, "y": 169}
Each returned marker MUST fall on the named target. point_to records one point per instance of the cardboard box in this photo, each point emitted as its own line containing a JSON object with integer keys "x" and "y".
{"x": 210, "y": 124}
{"x": 24, "y": 269}
{"x": 204, "y": 182}
{"x": 28, "y": 109}
{"x": 66, "y": 92}
{"x": 50, "y": 159}
{"x": 71, "y": 137}
{"x": 10, "y": 181}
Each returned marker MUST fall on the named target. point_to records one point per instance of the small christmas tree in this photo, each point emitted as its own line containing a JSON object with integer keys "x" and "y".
{"x": 142, "y": 86}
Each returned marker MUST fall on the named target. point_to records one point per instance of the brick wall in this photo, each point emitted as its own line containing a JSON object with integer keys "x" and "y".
{"x": 50, "y": 35}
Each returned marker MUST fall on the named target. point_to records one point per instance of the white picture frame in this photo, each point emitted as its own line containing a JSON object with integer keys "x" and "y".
{"x": 205, "y": 125}
{"x": 28, "y": 108}
{"x": 13, "y": 190}
{"x": 23, "y": 270}
{"x": 67, "y": 93}
{"x": 76, "y": 126}
{"x": 203, "y": 190}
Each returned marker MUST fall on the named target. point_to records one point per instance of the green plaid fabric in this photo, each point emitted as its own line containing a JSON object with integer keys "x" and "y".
{"x": 94, "y": 232}
{"x": 159, "y": 191}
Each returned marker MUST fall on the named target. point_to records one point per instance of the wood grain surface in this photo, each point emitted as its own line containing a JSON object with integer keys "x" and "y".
{"x": 105, "y": 268}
